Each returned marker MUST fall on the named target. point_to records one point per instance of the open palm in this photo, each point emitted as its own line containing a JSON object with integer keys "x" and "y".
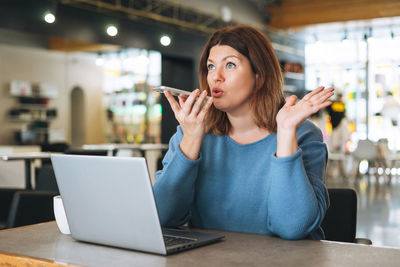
{"x": 292, "y": 114}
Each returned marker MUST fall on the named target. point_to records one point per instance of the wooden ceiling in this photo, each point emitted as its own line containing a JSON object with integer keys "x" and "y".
{"x": 299, "y": 13}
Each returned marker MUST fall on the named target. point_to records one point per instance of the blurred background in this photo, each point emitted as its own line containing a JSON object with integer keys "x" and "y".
{"x": 75, "y": 73}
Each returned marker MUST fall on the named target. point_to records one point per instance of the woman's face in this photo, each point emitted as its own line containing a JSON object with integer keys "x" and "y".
{"x": 230, "y": 78}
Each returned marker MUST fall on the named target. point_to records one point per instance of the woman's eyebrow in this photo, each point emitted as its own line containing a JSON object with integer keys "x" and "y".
{"x": 225, "y": 58}
{"x": 233, "y": 56}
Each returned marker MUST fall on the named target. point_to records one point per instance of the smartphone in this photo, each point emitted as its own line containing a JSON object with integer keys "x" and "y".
{"x": 174, "y": 91}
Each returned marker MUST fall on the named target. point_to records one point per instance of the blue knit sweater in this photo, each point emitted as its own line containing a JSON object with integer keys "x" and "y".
{"x": 246, "y": 188}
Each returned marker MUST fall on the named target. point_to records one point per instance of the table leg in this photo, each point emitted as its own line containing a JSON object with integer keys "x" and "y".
{"x": 28, "y": 184}
{"x": 342, "y": 169}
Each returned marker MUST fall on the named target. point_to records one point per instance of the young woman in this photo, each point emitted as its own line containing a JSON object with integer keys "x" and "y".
{"x": 244, "y": 160}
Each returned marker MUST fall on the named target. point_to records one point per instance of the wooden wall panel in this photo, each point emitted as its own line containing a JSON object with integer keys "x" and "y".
{"x": 297, "y": 13}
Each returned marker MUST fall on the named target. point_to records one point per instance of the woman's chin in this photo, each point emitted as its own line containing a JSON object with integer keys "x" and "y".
{"x": 219, "y": 106}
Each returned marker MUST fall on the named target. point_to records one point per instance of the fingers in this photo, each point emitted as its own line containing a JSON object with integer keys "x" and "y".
{"x": 197, "y": 105}
{"x": 205, "y": 108}
{"x": 318, "y": 107}
{"x": 325, "y": 104}
{"x": 291, "y": 100}
{"x": 182, "y": 99}
{"x": 319, "y": 95}
{"x": 187, "y": 103}
{"x": 314, "y": 92}
{"x": 172, "y": 102}
{"x": 323, "y": 96}
{"x": 191, "y": 105}
{"x": 322, "y": 101}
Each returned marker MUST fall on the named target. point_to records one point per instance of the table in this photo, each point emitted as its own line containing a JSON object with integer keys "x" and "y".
{"x": 150, "y": 151}
{"x": 340, "y": 159}
{"x": 112, "y": 148}
{"x": 44, "y": 244}
{"x": 28, "y": 157}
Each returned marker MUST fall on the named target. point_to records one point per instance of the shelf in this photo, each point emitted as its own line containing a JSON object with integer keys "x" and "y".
{"x": 37, "y": 131}
{"x": 32, "y": 100}
{"x": 288, "y": 49}
{"x": 294, "y": 75}
{"x": 30, "y": 120}
{"x": 34, "y": 113}
{"x": 34, "y": 106}
{"x": 289, "y": 88}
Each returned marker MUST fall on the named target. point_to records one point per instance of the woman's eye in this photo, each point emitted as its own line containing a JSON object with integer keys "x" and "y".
{"x": 230, "y": 65}
{"x": 210, "y": 67}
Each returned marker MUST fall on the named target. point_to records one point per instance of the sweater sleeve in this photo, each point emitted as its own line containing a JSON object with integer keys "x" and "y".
{"x": 298, "y": 198}
{"x": 175, "y": 184}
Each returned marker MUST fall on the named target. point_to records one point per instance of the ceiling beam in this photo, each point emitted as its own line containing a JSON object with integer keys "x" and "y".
{"x": 163, "y": 12}
{"x": 71, "y": 46}
{"x": 298, "y": 13}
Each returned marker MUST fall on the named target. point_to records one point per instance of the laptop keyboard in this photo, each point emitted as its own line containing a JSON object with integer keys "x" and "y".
{"x": 174, "y": 240}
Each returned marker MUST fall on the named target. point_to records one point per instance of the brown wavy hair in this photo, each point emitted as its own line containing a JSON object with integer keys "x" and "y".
{"x": 268, "y": 96}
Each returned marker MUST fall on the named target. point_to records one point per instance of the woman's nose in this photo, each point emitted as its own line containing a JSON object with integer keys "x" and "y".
{"x": 218, "y": 75}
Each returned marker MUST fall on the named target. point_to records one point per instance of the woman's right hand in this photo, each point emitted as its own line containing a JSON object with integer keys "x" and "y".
{"x": 190, "y": 114}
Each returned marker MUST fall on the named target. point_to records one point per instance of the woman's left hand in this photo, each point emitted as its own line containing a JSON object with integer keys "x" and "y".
{"x": 292, "y": 114}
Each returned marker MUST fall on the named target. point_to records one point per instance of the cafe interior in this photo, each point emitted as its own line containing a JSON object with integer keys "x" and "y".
{"x": 76, "y": 77}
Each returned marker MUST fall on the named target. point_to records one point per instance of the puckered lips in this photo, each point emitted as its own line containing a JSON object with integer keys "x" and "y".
{"x": 217, "y": 92}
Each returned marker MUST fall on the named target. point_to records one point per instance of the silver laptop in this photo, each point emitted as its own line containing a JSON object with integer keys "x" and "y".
{"x": 110, "y": 201}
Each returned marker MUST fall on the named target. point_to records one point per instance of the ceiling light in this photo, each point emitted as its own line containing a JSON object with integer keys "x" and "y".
{"x": 165, "y": 40}
{"x": 99, "y": 60}
{"x": 226, "y": 14}
{"x": 112, "y": 30}
{"x": 49, "y": 17}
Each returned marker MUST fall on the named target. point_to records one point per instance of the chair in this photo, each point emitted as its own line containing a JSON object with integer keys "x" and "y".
{"x": 60, "y": 147}
{"x": 387, "y": 156}
{"x": 45, "y": 179}
{"x": 99, "y": 152}
{"x": 367, "y": 150}
{"x": 340, "y": 220}
{"x": 6, "y": 197}
{"x": 30, "y": 207}
{"x": 340, "y": 160}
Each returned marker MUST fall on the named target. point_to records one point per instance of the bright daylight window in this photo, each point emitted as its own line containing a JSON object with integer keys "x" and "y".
{"x": 342, "y": 64}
